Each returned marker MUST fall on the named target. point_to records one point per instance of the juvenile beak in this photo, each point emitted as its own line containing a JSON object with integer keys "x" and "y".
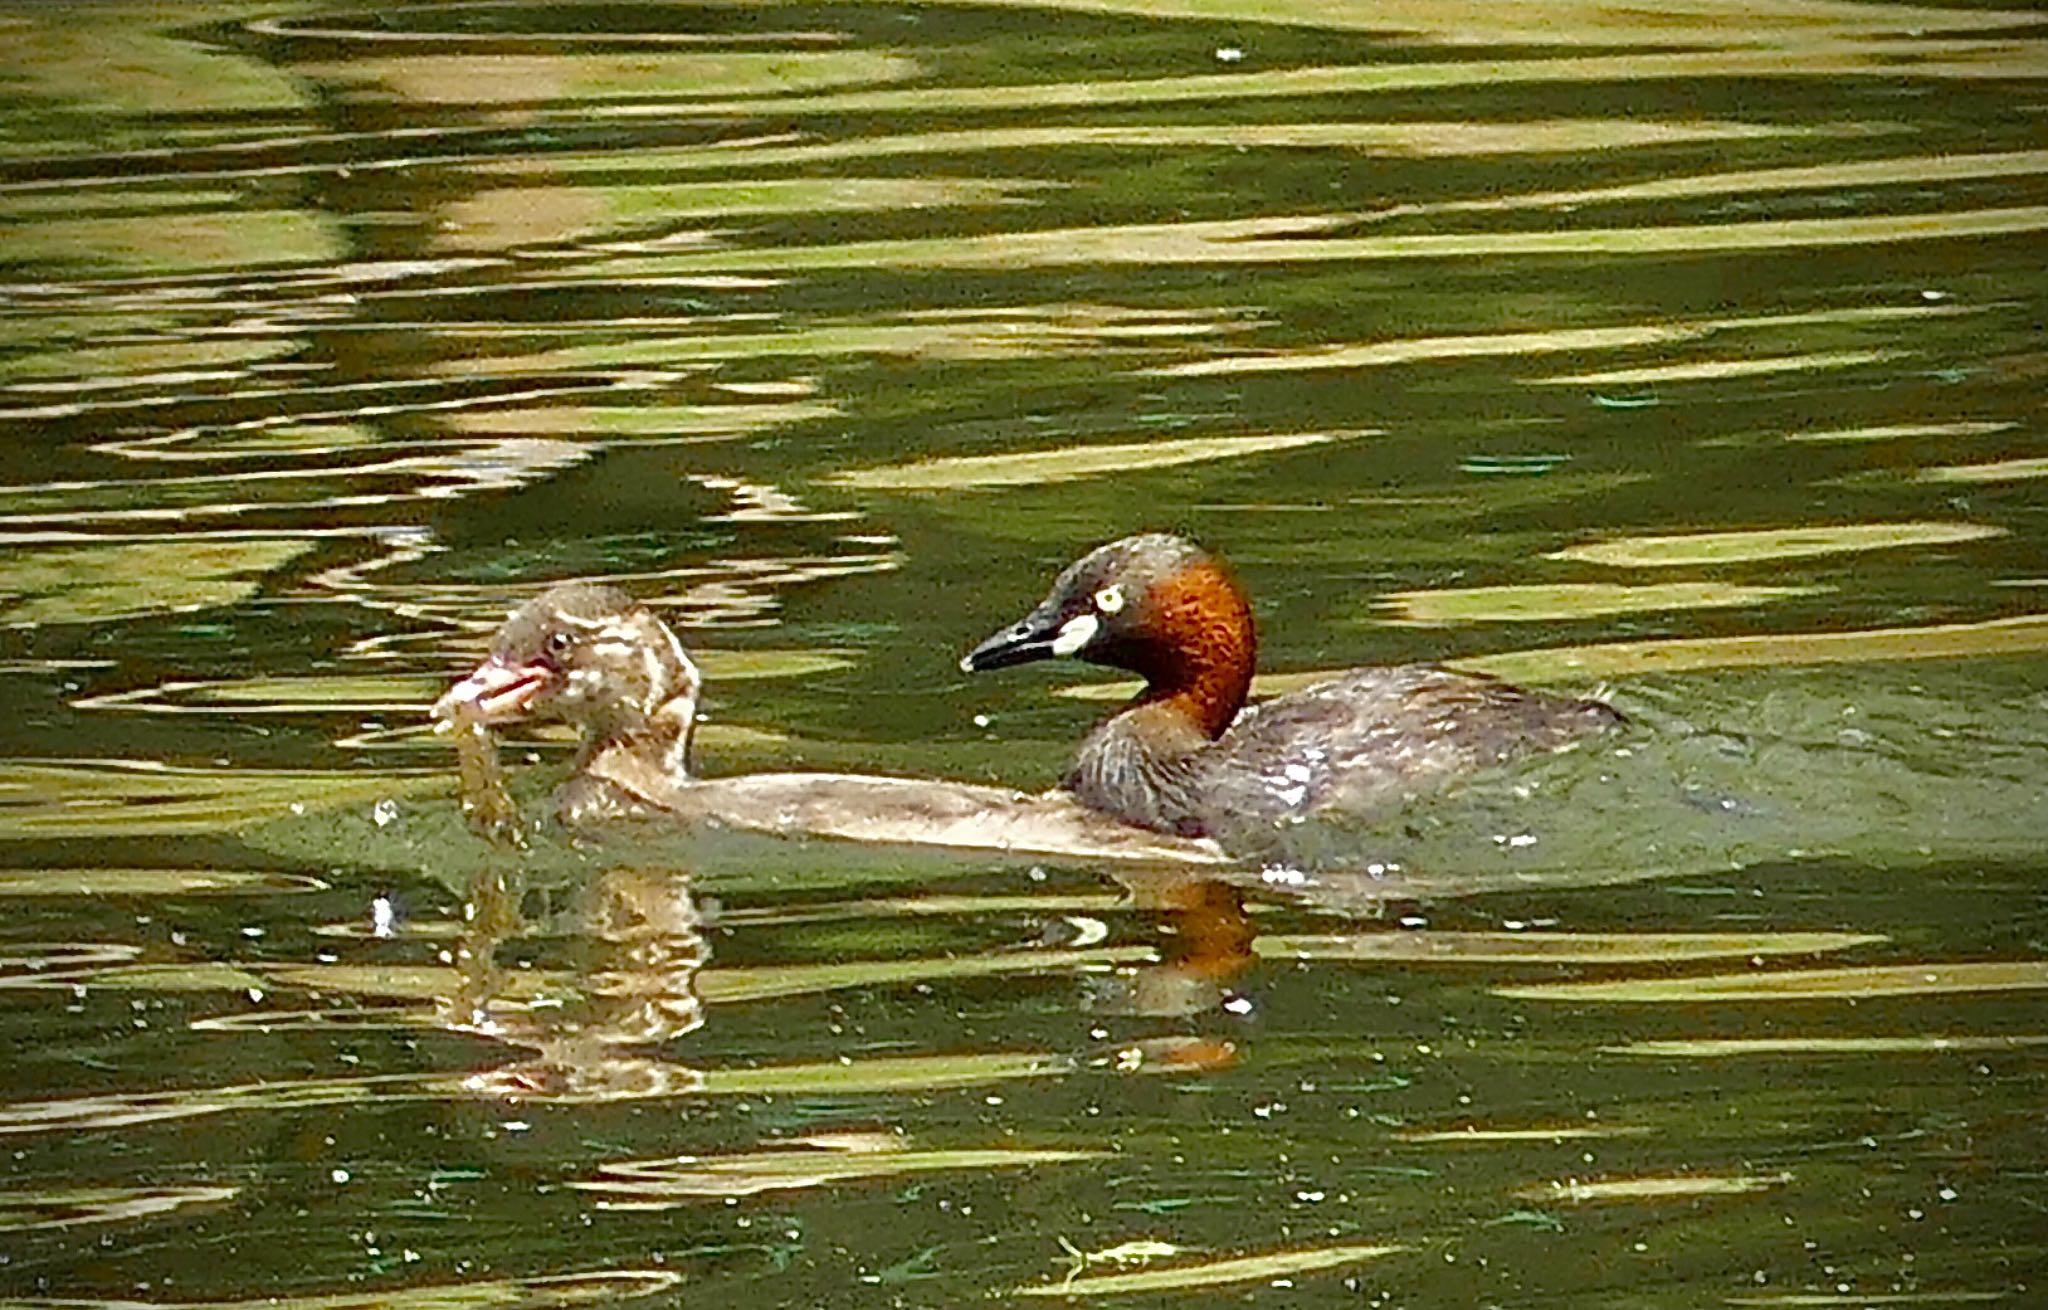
{"x": 496, "y": 693}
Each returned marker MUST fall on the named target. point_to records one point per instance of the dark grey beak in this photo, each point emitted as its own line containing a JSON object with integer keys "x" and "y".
{"x": 1024, "y": 642}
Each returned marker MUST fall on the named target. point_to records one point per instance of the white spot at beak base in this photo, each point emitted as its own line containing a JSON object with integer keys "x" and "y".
{"x": 1075, "y": 634}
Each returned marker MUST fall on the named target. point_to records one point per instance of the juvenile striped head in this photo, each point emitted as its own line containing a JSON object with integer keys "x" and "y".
{"x": 582, "y": 654}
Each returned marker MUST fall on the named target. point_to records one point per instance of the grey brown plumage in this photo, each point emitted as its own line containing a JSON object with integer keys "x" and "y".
{"x": 1188, "y": 756}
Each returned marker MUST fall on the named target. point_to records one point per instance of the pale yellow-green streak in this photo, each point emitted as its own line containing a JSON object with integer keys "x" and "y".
{"x": 151, "y": 882}
{"x": 506, "y": 217}
{"x": 1478, "y": 1136}
{"x": 1569, "y": 601}
{"x": 1039, "y": 467}
{"x": 716, "y": 985}
{"x": 1715, "y": 1048}
{"x": 26, "y": 1210}
{"x": 1290, "y": 240}
{"x": 1668, "y": 1187}
{"x": 1012, "y": 332}
{"x": 1886, "y": 59}
{"x": 638, "y": 422}
{"x": 523, "y": 79}
{"x": 1420, "y": 139}
{"x": 905, "y": 1073}
{"x": 1907, "y": 170}
{"x": 1901, "y": 431}
{"x": 1416, "y": 350}
{"x": 1801, "y": 984}
{"x": 661, "y": 1184}
{"x": 1709, "y": 548}
{"x": 2005, "y": 470}
{"x": 118, "y": 60}
{"x": 126, "y": 364}
{"x": 1569, "y": 22}
{"x": 2026, "y": 634}
{"x": 1713, "y": 370}
{"x": 1213, "y": 1273}
{"x": 1559, "y": 947}
{"x": 171, "y": 242}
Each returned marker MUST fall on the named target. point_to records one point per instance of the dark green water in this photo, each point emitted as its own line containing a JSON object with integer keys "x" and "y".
{"x": 1693, "y": 356}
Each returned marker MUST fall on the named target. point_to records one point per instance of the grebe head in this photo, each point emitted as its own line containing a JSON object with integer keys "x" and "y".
{"x": 586, "y": 655}
{"x": 1157, "y": 605}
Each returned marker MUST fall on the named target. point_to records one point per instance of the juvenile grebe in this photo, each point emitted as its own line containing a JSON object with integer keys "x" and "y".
{"x": 1182, "y": 758}
{"x": 591, "y": 657}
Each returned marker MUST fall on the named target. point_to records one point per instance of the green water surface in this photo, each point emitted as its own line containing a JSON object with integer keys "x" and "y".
{"x": 1687, "y": 354}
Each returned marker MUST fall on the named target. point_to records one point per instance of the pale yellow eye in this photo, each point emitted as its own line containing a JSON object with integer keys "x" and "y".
{"x": 1110, "y": 599}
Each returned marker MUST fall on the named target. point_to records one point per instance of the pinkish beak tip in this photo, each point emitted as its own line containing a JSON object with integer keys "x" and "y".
{"x": 494, "y": 693}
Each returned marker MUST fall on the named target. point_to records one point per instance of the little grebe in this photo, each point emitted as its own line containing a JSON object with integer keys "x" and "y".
{"x": 591, "y": 657}
{"x": 1181, "y": 758}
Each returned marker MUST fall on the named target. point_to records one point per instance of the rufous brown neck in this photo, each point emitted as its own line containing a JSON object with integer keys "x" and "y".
{"x": 1200, "y": 646}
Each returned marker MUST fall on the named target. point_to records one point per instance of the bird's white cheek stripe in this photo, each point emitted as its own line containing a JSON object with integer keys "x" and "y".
{"x": 1075, "y": 633}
